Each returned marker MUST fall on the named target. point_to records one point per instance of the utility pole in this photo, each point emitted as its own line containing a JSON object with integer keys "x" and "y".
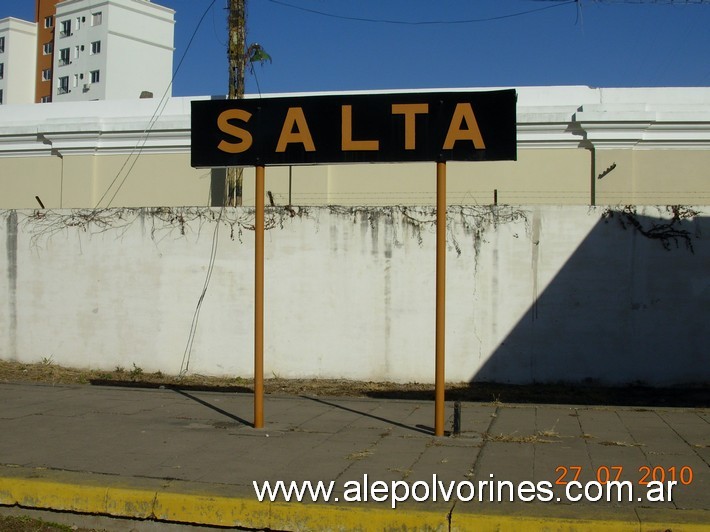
{"x": 236, "y": 52}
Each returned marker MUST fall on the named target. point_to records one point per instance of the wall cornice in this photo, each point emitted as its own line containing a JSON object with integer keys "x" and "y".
{"x": 558, "y": 118}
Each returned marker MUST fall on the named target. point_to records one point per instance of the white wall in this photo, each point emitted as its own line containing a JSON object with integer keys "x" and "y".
{"x": 535, "y": 294}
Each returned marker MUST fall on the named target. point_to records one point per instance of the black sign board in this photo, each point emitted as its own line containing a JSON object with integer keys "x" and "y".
{"x": 427, "y": 126}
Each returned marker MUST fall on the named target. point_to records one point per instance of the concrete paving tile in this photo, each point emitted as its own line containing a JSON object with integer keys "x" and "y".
{"x": 359, "y": 439}
{"x": 358, "y": 470}
{"x": 564, "y": 459}
{"x": 691, "y": 470}
{"x": 475, "y": 416}
{"x": 213, "y": 407}
{"x": 397, "y": 453}
{"x": 389, "y": 454}
{"x": 657, "y": 437}
{"x": 518, "y": 422}
{"x": 422, "y": 413}
{"x": 626, "y": 462}
{"x": 272, "y": 454}
{"x": 33, "y": 437}
{"x": 216, "y": 462}
{"x": 18, "y": 409}
{"x": 505, "y": 461}
{"x": 401, "y": 411}
{"x": 329, "y": 418}
{"x": 32, "y": 394}
{"x": 325, "y": 467}
{"x": 602, "y": 425}
{"x": 291, "y": 412}
{"x": 447, "y": 462}
{"x": 382, "y": 417}
{"x": 561, "y": 421}
{"x": 703, "y": 452}
{"x": 691, "y": 426}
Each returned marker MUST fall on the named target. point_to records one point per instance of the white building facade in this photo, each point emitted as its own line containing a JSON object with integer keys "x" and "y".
{"x": 576, "y": 146}
{"x": 112, "y": 49}
{"x": 17, "y": 60}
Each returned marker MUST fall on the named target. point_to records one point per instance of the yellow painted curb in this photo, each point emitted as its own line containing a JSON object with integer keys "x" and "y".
{"x": 53, "y": 494}
{"x": 655, "y": 519}
{"x": 211, "y": 510}
{"x": 290, "y": 516}
{"x": 184, "y": 502}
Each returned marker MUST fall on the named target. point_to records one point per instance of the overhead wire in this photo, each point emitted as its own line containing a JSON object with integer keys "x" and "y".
{"x": 138, "y": 149}
{"x": 421, "y": 22}
{"x": 187, "y": 354}
{"x": 185, "y": 364}
{"x": 646, "y": 2}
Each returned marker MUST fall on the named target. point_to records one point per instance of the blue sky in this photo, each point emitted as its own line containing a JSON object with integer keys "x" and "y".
{"x": 601, "y": 43}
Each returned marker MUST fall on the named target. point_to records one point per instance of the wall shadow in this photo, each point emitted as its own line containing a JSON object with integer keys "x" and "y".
{"x": 560, "y": 394}
{"x": 629, "y": 307}
{"x": 157, "y": 384}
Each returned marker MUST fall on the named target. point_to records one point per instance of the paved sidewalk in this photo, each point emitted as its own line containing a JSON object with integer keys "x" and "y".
{"x": 191, "y": 457}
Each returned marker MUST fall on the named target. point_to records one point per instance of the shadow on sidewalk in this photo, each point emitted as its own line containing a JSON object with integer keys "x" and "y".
{"x": 213, "y": 407}
{"x": 182, "y": 390}
{"x": 157, "y": 384}
{"x": 418, "y": 428}
{"x": 561, "y": 394}
{"x": 483, "y": 392}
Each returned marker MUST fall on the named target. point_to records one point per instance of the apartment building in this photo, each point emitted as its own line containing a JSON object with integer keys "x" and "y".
{"x": 101, "y": 49}
{"x": 111, "y": 49}
{"x": 44, "y": 20}
{"x": 17, "y": 60}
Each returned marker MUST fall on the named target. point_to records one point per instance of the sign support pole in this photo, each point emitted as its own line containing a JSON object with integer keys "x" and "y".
{"x": 259, "y": 301}
{"x": 440, "y": 378}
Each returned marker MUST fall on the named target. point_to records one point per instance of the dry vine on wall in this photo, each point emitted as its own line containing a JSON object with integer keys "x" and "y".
{"x": 668, "y": 233}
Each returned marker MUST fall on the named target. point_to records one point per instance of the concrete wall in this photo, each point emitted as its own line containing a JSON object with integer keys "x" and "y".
{"x": 535, "y": 294}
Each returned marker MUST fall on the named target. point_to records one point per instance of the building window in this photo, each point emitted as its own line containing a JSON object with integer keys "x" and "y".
{"x": 64, "y": 57}
{"x": 48, "y": 48}
{"x": 2, "y": 44}
{"x": 47, "y": 74}
{"x": 2, "y": 70}
{"x": 63, "y": 87}
{"x": 95, "y": 47}
{"x": 0, "y": 96}
{"x": 66, "y": 29}
{"x": 75, "y": 81}
{"x": 96, "y": 18}
{"x": 95, "y": 78}
{"x": 49, "y": 21}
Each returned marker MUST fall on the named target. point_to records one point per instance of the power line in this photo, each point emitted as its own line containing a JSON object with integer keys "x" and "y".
{"x": 185, "y": 364}
{"x": 138, "y": 149}
{"x": 423, "y": 22}
{"x": 647, "y": 2}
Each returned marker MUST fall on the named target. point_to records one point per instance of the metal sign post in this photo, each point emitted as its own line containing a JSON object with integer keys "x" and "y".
{"x": 354, "y": 128}
{"x": 440, "y": 370}
{"x": 259, "y": 300}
